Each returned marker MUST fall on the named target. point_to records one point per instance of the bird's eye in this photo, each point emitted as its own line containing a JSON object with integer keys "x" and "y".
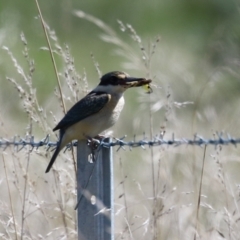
{"x": 114, "y": 80}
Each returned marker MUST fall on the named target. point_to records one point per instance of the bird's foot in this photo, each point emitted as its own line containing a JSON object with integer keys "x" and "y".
{"x": 93, "y": 144}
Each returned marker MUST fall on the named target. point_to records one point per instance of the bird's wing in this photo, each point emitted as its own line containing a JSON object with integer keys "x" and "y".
{"x": 87, "y": 106}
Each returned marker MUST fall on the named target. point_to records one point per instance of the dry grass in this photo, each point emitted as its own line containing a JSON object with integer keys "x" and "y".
{"x": 157, "y": 192}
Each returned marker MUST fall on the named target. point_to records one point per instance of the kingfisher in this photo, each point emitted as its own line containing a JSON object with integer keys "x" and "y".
{"x": 97, "y": 111}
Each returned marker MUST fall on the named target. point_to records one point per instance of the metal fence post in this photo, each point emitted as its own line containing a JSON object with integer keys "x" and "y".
{"x": 95, "y": 212}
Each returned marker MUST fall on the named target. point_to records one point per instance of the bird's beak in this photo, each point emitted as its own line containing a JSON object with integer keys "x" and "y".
{"x": 136, "y": 82}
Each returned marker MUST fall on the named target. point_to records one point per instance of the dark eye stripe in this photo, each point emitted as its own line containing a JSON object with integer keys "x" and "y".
{"x": 113, "y": 78}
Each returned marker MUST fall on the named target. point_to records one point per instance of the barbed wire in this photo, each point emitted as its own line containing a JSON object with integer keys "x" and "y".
{"x": 19, "y": 143}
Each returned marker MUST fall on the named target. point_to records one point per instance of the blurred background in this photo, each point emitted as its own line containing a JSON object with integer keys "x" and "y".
{"x": 191, "y": 51}
{"x": 199, "y": 45}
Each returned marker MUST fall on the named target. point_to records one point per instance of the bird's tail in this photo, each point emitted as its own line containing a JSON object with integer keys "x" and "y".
{"x": 55, "y": 154}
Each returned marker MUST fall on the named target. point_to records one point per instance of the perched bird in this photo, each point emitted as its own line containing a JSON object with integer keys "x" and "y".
{"x": 97, "y": 111}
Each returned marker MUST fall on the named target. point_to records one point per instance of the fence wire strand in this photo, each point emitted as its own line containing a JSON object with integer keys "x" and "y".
{"x": 20, "y": 143}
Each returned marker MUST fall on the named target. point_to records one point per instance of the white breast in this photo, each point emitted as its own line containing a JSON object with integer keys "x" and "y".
{"x": 97, "y": 123}
{"x": 107, "y": 117}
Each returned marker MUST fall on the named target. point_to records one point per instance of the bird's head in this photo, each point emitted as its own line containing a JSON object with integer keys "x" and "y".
{"x": 121, "y": 81}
